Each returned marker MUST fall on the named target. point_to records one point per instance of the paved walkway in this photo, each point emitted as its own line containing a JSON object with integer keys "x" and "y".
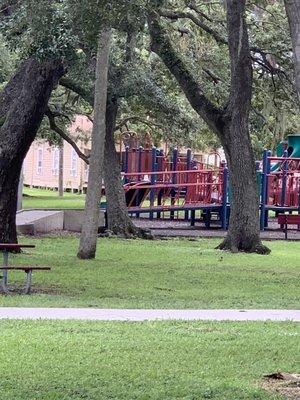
{"x": 148, "y": 315}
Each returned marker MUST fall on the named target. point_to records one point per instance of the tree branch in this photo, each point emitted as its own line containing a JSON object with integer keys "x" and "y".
{"x": 240, "y": 57}
{"x": 138, "y": 119}
{"x": 87, "y": 95}
{"x": 63, "y": 135}
{"x": 192, "y": 5}
{"x": 161, "y": 45}
{"x": 215, "y": 79}
{"x": 174, "y": 15}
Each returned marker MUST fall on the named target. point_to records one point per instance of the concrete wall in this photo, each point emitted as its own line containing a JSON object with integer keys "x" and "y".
{"x": 53, "y": 222}
{"x": 30, "y": 222}
{"x": 73, "y": 220}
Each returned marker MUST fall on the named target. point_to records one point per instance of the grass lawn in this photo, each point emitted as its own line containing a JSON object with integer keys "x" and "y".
{"x": 175, "y": 273}
{"x": 42, "y": 198}
{"x": 152, "y": 360}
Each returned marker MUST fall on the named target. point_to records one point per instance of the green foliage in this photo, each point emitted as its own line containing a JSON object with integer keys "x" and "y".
{"x": 138, "y": 79}
{"x": 90, "y": 15}
{"x": 40, "y": 28}
{"x": 7, "y": 62}
{"x": 274, "y": 111}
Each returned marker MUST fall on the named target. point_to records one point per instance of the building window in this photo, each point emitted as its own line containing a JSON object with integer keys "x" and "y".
{"x": 74, "y": 163}
{"x": 55, "y": 161}
{"x": 40, "y": 161}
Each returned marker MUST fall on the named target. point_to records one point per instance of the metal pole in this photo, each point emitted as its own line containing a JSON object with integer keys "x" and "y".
{"x": 174, "y": 168}
{"x": 263, "y": 190}
{"x": 284, "y": 178}
{"x": 188, "y": 167}
{"x": 153, "y": 179}
{"x": 224, "y": 199}
{"x": 268, "y": 169}
{"x": 126, "y": 163}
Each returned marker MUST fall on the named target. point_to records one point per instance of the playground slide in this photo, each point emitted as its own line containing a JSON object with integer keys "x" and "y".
{"x": 135, "y": 197}
{"x": 292, "y": 145}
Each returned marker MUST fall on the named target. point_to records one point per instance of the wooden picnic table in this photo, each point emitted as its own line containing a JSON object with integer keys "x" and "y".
{"x": 288, "y": 219}
{"x": 7, "y": 248}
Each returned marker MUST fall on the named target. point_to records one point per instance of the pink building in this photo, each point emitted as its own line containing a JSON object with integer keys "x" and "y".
{"x": 41, "y": 165}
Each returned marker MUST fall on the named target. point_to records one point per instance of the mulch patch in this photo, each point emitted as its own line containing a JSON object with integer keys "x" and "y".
{"x": 285, "y": 384}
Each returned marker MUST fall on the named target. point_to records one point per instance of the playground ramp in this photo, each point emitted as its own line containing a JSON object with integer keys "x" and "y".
{"x": 32, "y": 222}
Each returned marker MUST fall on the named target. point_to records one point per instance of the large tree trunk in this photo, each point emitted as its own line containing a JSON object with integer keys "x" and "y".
{"x": 119, "y": 222}
{"x": 22, "y": 106}
{"x": 230, "y": 123}
{"x": 89, "y": 234}
{"x": 293, "y": 12}
{"x": 244, "y": 233}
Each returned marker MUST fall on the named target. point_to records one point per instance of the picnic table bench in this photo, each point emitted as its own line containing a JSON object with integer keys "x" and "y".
{"x": 288, "y": 219}
{"x": 7, "y": 248}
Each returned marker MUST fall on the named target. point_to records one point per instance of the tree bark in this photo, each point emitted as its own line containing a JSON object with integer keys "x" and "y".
{"x": 22, "y": 106}
{"x": 229, "y": 123}
{"x": 119, "y": 222}
{"x": 293, "y": 13}
{"x": 89, "y": 234}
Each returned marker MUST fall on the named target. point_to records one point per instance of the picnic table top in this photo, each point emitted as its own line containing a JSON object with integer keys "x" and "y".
{"x": 14, "y": 246}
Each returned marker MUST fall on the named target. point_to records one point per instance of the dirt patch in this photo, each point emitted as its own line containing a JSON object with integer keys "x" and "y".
{"x": 18, "y": 289}
{"x": 287, "y": 385}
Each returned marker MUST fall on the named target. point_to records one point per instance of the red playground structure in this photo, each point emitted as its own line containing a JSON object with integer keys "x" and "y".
{"x": 159, "y": 186}
{"x": 178, "y": 186}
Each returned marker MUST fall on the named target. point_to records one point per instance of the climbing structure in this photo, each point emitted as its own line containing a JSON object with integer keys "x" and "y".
{"x": 180, "y": 186}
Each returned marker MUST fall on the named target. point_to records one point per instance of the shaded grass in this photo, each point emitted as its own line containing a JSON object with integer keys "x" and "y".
{"x": 151, "y": 360}
{"x": 176, "y": 273}
{"x": 43, "y": 198}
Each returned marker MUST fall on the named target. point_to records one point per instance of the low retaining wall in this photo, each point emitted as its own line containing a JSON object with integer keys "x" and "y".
{"x": 73, "y": 220}
{"x": 31, "y": 222}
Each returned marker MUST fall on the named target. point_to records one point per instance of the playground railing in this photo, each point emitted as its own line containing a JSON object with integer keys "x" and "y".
{"x": 280, "y": 185}
{"x": 283, "y": 181}
{"x": 174, "y": 188}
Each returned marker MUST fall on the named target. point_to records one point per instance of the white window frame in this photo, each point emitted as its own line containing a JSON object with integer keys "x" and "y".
{"x": 55, "y": 161}
{"x": 74, "y": 163}
{"x": 40, "y": 157}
